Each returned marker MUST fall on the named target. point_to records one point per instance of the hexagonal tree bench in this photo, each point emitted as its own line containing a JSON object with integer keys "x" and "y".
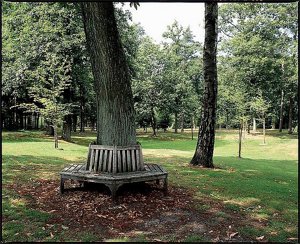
{"x": 114, "y": 166}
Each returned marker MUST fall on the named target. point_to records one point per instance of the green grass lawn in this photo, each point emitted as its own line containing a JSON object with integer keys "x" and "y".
{"x": 262, "y": 184}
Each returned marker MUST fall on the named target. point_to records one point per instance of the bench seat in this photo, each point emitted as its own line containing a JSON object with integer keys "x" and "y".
{"x": 114, "y": 181}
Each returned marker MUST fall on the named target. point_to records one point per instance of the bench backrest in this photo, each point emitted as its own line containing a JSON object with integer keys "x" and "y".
{"x": 115, "y": 159}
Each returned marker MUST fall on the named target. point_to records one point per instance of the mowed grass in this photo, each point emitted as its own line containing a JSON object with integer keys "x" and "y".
{"x": 262, "y": 184}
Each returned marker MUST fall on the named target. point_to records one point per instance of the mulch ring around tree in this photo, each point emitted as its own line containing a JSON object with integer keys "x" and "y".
{"x": 142, "y": 209}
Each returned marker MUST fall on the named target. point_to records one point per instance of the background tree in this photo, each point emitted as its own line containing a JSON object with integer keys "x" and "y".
{"x": 181, "y": 73}
{"x": 258, "y": 41}
{"x": 259, "y": 107}
{"x": 47, "y": 90}
{"x": 205, "y": 144}
{"x": 147, "y": 84}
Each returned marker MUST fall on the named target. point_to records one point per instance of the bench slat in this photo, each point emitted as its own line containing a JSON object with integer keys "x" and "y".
{"x": 114, "y": 160}
{"x": 110, "y": 161}
{"x": 129, "y": 169}
{"x": 124, "y": 161}
{"x": 133, "y": 161}
{"x": 119, "y": 161}
{"x": 141, "y": 158}
{"x": 92, "y": 160}
{"x": 100, "y": 168}
{"x": 138, "y": 164}
{"x": 104, "y": 160}
{"x": 96, "y": 164}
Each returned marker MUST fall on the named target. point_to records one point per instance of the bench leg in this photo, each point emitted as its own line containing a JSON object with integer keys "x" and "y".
{"x": 157, "y": 182}
{"x": 62, "y": 182}
{"x": 166, "y": 186}
{"x": 113, "y": 189}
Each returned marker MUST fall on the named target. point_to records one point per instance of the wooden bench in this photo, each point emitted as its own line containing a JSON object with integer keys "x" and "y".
{"x": 114, "y": 166}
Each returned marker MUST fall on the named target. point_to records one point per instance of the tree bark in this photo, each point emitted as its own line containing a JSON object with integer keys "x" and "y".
{"x": 81, "y": 110}
{"x": 264, "y": 129}
{"x": 244, "y": 129}
{"x": 176, "y": 122}
{"x": 281, "y": 112}
{"x": 240, "y": 139}
{"x": 153, "y": 122}
{"x": 115, "y": 110}
{"x": 248, "y": 127}
{"x": 290, "y": 131}
{"x": 206, "y": 137}
{"x": 67, "y": 128}
{"x": 192, "y": 127}
{"x": 273, "y": 123}
{"x": 55, "y": 136}
{"x": 182, "y": 122}
{"x": 254, "y": 125}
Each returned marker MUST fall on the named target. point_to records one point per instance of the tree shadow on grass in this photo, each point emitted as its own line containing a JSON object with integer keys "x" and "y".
{"x": 27, "y": 167}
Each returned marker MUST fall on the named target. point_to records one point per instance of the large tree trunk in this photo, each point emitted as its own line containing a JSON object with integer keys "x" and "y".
{"x": 206, "y": 136}
{"x": 115, "y": 111}
{"x": 281, "y": 112}
{"x": 291, "y": 115}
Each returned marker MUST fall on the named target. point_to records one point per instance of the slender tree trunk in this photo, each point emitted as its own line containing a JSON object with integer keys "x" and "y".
{"x": 55, "y": 136}
{"x": 281, "y": 111}
{"x": 81, "y": 117}
{"x": 153, "y": 122}
{"x": 206, "y": 136}
{"x": 264, "y": 129}
{"x": 244, "y": 129}
{"x": 37, "y": 121}
{"x": 291, "y": 115}
{"x": 92, "y": 124}
{"x": 273, "y": 123}
{"x": 240, "y": 139}
{"x": 176, "y": 122}
{"x": 192, "y": 127}
{"x": 182, "y": 122}
{"x": 15, "y": 114}
{"x": 115, "y": 110}
{"x": 227, "y": 121}
{"x": 254, "y": 125}
{"x": 21, "y": 120}
{"x": 248, "y": 127}
{"x": 193, "y": 121}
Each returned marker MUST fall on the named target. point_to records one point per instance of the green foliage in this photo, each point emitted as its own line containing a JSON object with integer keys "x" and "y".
{"x": 257, "y": 51}
{"x": 259, "y": 107}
